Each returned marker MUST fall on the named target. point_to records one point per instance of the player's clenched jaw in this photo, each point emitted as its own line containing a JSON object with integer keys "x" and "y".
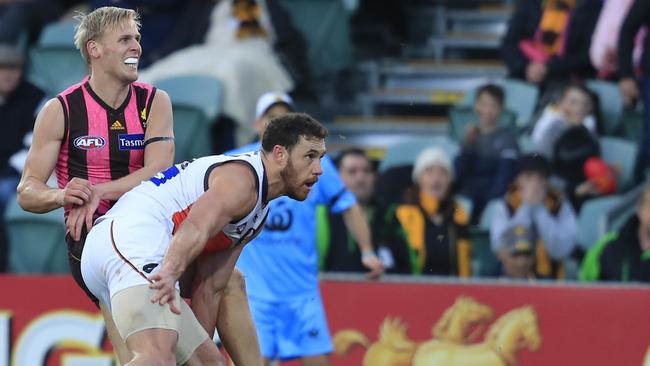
{"x": 303, "y": 167}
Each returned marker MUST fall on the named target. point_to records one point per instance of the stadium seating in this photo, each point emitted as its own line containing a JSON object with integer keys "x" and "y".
{"x": 526, "y": 144}
{"x": 196, "y": 102}
{"x": 405, "y": 152}
{"x": 610, "y": 101}
{"x": 484, "y": 262}
{"x": 521, "y": 98}
{"x": 460, "y": 116}
{"x": 54, "y": 62}
{"x": 632, "y": 124}
{"x": 36, "y": 241}
{"x": 592, "y": 220}
{"x": 620, "y": 153}
{"x": 325, "y": 26}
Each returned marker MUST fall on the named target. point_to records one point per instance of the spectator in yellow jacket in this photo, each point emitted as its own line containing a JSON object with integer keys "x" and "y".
{"x": 435, "y": 224}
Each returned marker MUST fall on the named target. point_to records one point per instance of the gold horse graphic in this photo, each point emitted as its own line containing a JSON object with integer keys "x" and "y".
{"x": 394, "y": 348}
{"x": 512, "y": 331}
{"x": 462, "y": 322}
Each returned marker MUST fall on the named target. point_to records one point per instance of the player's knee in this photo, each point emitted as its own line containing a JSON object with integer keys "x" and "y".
{"x": 236, "y": 283}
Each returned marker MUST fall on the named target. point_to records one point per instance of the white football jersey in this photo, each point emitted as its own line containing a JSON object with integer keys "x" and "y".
{"x": 169, "y": 195}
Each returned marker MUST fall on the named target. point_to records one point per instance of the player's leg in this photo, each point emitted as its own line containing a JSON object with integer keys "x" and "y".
{"x": 139, "y": 318}
{"x": 151, "y": 331}
{"x": 119, "y": 347}
{"x": 75, "y": 249}
{"x": 305, "y": 333}
{"x": 194, "y": 347}
{"x": 235, "y": 324}
{"x": 219, "y": 299}
{"x": 153, "y": 347}
{"x": 266, "y": 316}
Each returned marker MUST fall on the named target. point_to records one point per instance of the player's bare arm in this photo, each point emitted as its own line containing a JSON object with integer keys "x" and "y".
{"x": 33, "y": 193}
{"x": 232, "y": 194}
{"x": 158, "y": 155}
{"x": 357, "y": 224}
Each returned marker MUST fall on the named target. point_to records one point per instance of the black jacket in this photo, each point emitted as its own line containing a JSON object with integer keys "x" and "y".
{"x": 638, "y": 16}
{"x": 523, "y": 25}
{"x": 621, "y": 259}
{"x": 17, "y": 117}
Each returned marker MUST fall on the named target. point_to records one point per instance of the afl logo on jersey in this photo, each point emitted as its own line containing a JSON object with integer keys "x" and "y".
{"x": 89, "y": 142}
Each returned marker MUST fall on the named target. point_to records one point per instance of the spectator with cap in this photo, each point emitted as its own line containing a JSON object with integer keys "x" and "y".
{"x": 622, "y": 255}
{"x": 19, "y": 103}
{"x": 518, "y": 254}
{"x": 435, "y": 223}
{"x": 532, "y": 203}
{"x": 269, "y": 106}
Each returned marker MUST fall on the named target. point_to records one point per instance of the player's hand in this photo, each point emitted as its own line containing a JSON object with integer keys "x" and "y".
{"x": 75, "y": 221}
{"x": 83, "y": 214}
{"x": 163, "y": 281}
{"x": 371, "y": 261}
{"x": 77, "y": 192}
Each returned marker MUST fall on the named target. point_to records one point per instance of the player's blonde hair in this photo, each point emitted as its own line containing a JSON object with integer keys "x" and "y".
{"x": 92, "y": 25}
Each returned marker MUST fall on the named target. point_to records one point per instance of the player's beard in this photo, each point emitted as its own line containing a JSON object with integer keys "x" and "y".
{"x": 290, "y": 177}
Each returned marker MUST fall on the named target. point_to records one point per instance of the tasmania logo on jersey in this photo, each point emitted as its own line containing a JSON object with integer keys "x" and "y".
{"x": 89, "y": 142}
{"x": 132, "y": 141}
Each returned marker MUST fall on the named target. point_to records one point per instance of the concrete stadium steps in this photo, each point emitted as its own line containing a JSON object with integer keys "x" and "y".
{"x": 457, "y": 27}
{"x": 451, "y": 41}
{"x": 408, "y": 98}
{"x": 376, "y": 133}
{"x": 435, "y": 73}
{"x": 493, "y": 20}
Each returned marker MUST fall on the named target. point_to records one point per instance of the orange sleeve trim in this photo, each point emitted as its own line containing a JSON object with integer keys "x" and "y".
{"x": 216, "y": 243}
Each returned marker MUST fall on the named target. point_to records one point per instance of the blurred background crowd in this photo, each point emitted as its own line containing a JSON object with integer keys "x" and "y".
{"x": 491, "y": 138}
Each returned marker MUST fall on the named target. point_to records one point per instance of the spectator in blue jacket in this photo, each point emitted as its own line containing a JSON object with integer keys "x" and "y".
{"x": 488, "y": 158}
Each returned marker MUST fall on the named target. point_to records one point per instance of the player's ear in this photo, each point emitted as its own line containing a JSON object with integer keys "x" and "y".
{"x": 281, "y": 155}
{"x": 92, "y": 47}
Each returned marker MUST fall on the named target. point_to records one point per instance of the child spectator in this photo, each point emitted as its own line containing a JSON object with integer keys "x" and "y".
{"x": 517, "y": 255}
{"x": 574, "y": 108}
{"x": 488, "y": 158}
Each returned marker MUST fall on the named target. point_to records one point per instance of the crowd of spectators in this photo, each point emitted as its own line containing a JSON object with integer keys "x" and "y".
{"x": 532, "y": 199}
